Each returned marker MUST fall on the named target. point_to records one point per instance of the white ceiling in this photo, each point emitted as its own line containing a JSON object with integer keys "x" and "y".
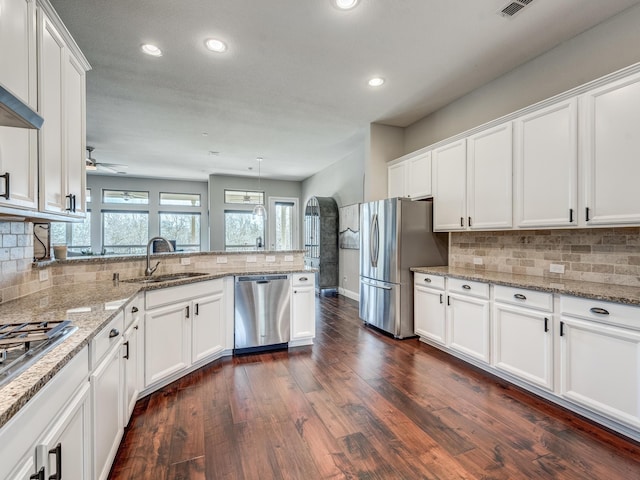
{"x": 292, "y": 87}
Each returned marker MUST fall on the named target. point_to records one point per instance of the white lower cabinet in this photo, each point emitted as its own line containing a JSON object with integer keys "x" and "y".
{"x": 523, "y": 344}
{"x": 132, "y": 359}
{"x": 303, "y": 309}
{"x": 429, "y": 310}
{"x": 599, "y": 360}
{"x": 468, "y": 316}
{"x": 185, "y": 326}
{"x": 107, "y": 402}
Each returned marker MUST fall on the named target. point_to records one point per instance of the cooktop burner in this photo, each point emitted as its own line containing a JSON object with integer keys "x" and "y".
{"x": 21, "y": 344}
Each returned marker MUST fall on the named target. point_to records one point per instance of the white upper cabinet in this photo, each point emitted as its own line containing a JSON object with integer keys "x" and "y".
{"x": 546, "y": 166}
{"x": 449, "y": 177}
{"x": 19, "y": 146}
{"x": 410, "y": 178}
{"x": 62, "y": 104}
{"x": 611, "y": 140}
{"x": 489, "y": 179}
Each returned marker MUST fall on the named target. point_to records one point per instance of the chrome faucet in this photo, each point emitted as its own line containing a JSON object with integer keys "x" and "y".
{"x": 149, "y": 271}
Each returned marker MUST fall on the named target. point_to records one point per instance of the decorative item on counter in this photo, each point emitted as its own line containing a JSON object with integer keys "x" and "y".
{"x": 60, "y": 252}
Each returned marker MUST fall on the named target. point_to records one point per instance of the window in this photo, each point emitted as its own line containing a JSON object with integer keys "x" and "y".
{"x": 125, "y": 232}
{"x": 121, "y": 196}
{"x": 76, "y": 236}
{"x": 242, "y": 230}
{"x": 246, "y": 198}
{"x": 182, "y": 199}
{"x": 184, "y": 228}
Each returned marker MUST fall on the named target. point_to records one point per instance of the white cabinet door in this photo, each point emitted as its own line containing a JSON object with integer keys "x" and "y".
{"x": 52, "y": 57}
{"x": 303, "y": 307}
{"x": 167, "y": 345}
{"x": 107, "y": 401}
{"x": 523, "y": 344}
{"x": 599, "y": 368}
{"x": 489, "y": 179}
{"x": 449, "y": 191}
{"x": 27, "y": 470}
{"x": 65, "y": 451}
{"x": 612, "y": 153}
{"x": 468, "y": 326}
{"x": 396, "y": 180}
{"x": 207, "y": 326}
{"x": 74, "y": 113}
{"x": 546, "y": 166}
{"x": 429, "y": 314}
{"x": 131, "y": 381}
{"x": 19, "y": 146}
{"x": 418, "y": 182}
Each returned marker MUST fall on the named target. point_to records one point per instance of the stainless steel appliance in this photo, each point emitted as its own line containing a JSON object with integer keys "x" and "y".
{"x": 21, "y": 344}
{"x": 262, "y": 312}
{"x": 395, "y": 234}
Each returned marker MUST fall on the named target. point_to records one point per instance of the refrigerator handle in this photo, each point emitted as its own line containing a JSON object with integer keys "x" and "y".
{"x": 375, "y": 242}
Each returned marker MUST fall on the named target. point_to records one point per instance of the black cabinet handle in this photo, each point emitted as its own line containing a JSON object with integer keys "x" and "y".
{"x": 197, "y": 312}
{"x": 461, "y": 221}
{"x": 126, "y": 355}
{"x": 134, "y": 309}
{"x": 7, "y": 185}
{"x": 70, "y": 207}
{"x": 73, "y": 197}
{"x": 571, "y": 215}
{"x": 187, "y": 311}
{"x": 466, "y": 287}
{"x": 39, "y": 475}
{"x": 586, "y": 210}
{"x": 562, "y": 329}
{"x": 599, "y": 311}
{"x": 519, "y": 296}
{"x": 448, "y": 300}
{"x": 114, "y": 333}
{"x": 303, "y": 279}
{"x": 58, "y": 453}
{"x": 440, "y": 298}
{"x": 428, "y": 280}
{"x": 546, "y": 324}
{"x": 469, "y": 221}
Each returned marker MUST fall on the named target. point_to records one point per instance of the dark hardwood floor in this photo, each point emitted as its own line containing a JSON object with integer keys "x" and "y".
{"x": 360, "y": 405}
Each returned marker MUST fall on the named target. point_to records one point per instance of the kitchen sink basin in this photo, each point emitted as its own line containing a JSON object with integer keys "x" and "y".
{"x": 166, "y": 278}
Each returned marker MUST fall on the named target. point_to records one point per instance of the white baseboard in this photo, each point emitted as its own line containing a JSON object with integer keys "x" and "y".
{"x": 349, "y": 294}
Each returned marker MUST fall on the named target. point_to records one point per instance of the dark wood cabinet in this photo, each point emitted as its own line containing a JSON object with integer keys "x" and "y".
{"x": 321, "y": 241}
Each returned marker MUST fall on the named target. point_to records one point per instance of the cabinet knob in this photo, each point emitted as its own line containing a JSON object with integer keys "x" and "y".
{"x": 519, "y": 296}
{"x": 303, "y": 279}
{"x": 466, "y": 287}
{"x": 114, "y": 333}
{"x": 134, "y": 309}
{"x": 428, "y": 280}
{"x": 599, "y": 311}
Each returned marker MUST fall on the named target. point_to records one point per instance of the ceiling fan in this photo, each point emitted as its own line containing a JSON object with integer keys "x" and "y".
{"x": 92, "y": 164}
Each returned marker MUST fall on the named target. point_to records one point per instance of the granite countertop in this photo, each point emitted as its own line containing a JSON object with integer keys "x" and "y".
{"x": 597, "y": 291}
{"x": 90, "y": 307}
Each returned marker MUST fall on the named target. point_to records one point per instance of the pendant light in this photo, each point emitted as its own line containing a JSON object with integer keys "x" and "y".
{"x": 259, "y": 210}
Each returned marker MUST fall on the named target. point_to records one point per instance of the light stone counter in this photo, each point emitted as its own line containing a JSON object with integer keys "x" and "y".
{"x": 90, "y": 306}
{"x": 596, "y": 291}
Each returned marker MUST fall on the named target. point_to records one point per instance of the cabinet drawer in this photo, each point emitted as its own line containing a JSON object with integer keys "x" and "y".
{"x": 170, "y": 295}
{"x": 106, "y": 338}
{"x": 427, "y": 280}
{"x": 604, "y": 312}
{"x": 303, "y": 279}
{"x": 133, "y": 311}
{"x": 526, "y": 298}
{"x": 468, "y": 287}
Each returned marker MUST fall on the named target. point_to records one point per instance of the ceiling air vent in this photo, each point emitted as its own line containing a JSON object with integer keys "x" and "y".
{"x": 514, "y": 7}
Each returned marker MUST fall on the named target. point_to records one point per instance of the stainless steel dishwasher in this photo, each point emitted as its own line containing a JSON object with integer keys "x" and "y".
{"x": 262, "y": 312}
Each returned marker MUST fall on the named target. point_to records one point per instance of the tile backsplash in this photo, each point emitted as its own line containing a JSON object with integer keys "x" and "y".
{"x": 606, "y": 255}
{"x": 16, "y": 257}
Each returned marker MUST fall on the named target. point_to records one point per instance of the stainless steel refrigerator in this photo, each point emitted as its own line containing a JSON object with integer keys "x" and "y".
{"x": 395, "y": 234}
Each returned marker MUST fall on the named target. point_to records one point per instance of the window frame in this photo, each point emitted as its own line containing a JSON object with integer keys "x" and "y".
{"x": 193, "y": 214}
{"x": 240, "y": 248}
{"x": 123, "y": 211}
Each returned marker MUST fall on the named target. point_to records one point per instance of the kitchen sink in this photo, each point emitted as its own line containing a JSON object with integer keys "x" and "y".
{"x": 165, "y": 278}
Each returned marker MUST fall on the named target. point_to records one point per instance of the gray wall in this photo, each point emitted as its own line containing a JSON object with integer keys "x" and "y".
{"x": 384, "y": 143}
{"x": 217, "y": 186}
{"x": 603, "y": 49}
{"x": 154, "y": 186}
{"x": 344, "y": 181}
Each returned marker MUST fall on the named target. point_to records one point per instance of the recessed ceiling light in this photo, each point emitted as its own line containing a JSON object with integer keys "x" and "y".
{"x": 151, "y": 50}
{"x": 345, "y": 4}
{"x": 376, "y": 81}
{"x": 216, "y": 45}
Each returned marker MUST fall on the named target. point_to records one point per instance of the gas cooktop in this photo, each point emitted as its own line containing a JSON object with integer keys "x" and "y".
{"x": 21, "y": 344}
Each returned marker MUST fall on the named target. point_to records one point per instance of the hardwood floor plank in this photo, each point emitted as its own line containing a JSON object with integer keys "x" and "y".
{"x": 192, "y": 469}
